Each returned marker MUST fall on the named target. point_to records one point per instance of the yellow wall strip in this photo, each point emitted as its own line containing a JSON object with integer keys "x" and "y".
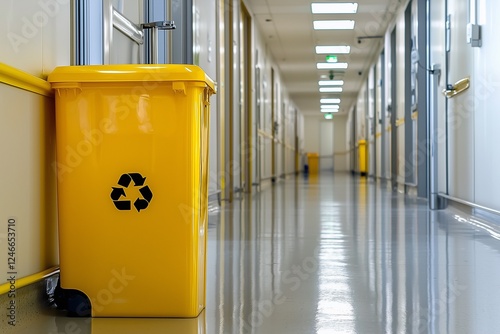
{"x": 22, "y": 282}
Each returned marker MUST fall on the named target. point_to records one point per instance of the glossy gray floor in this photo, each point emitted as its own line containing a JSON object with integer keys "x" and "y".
{"x": 335, "y": 254}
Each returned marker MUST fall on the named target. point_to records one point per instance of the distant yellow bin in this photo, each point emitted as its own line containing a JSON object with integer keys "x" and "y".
{"x": 363, "y": 157}
{"x": 313, "y": 162}
{"x": 132, "y": 164}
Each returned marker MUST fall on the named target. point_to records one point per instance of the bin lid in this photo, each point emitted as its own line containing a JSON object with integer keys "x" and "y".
{"x": 313, "y": 154}
{"x": 130, "y": 73}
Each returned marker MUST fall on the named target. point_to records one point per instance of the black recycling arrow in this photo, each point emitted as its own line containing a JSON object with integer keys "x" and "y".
{"x": 140, "y": 204}
{"x": 117, "y": 193}
{"x": 122, "y": 205}
{"x": 146, "y": 193}
{"x": 138, "y": 179}
{"x": 124, "y": 180}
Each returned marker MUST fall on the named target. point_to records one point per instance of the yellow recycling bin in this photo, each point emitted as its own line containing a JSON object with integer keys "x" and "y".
{"x": 313, "y": 162}
{"x": 132, "y": 165}
{"x": 363, "y": 158}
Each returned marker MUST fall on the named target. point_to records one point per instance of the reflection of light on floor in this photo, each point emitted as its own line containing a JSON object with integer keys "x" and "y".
{"x": 335, "y": 312}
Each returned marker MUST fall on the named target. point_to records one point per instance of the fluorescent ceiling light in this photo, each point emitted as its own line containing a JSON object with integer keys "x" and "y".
{"x": 330, "y": 89}
{"x": 330, "y": 106}
{"x": 327, "y": 49}
{"x": 334, "y": 8}
{"x": 329, "y": 101}
{"x": 328, "y": 66}
{"x": 331, "y": 82}
{"x": 329, "y": 110}
{"x": 333, "y": 24}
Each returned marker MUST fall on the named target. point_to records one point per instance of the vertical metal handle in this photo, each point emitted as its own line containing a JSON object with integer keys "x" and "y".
{"x": 433, "y": 136}
{"x": 155, "y": 26}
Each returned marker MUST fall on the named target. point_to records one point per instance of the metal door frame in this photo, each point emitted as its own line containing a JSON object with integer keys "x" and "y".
{"x": 91, "y": 40}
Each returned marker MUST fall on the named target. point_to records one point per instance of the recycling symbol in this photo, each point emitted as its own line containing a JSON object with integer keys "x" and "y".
{"x": 124, "y": 182}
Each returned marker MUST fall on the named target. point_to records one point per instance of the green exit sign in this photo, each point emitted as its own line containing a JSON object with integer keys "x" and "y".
{"x": 328, "y": 116}
{"x": 331, "y": 59}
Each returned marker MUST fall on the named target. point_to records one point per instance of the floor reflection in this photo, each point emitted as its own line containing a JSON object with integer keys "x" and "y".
{"x": 337, "y": 254}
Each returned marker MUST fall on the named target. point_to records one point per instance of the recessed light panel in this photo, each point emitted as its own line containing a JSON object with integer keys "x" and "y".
{"x": 330, "y": 107}
{"x": 333, "y": 24}
{"x": 334, "y": 8}
{"x": 328, "y": 100}
{"x": 327, "y": 66}
{"x": 330, "y": 89}
{"x": 331, "y": 82}
{"x": 327, "y": 49}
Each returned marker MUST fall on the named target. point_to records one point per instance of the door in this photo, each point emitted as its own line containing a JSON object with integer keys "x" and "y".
{"x": 379, "y": 111}
{"x": 246, "y": 118}
{"x": 458, "y": 170}
{"x": 110, "y": 32}
{"x": 393, "y": 111}
{"x": 371, "y": 124}
{"x": 326, "y": 145}
{"x": 274, "y": 124}
{"x": 484, "y": 87}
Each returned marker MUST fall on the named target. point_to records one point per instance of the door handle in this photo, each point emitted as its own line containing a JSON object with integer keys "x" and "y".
{"x": 457, "y": 88}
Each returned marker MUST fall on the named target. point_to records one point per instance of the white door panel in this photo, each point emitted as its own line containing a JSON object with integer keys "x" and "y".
{"x": 485, "y": 88}
{"x": 119, "y": 48}
{"x": 460, "y": 108}
{"x": 326, "y": 145}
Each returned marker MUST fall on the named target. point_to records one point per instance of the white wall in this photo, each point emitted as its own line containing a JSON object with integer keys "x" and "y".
{"x": 35, "y": 38}
{"x": 285, "y": 111}
{"x": 333, "y": 153}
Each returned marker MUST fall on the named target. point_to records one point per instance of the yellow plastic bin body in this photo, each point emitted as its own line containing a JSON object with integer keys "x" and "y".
{"x": 313, "y": 162}
{"x": 363, "y": 158}
{"x": 132, "y": 164}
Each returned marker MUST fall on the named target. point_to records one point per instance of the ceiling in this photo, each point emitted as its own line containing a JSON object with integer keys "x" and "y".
{"x": 287, "y": 27}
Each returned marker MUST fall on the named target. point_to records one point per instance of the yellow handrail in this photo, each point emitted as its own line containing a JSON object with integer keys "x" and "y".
{"x": 17, "y": 78}
{"x": 22, "y": 282}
